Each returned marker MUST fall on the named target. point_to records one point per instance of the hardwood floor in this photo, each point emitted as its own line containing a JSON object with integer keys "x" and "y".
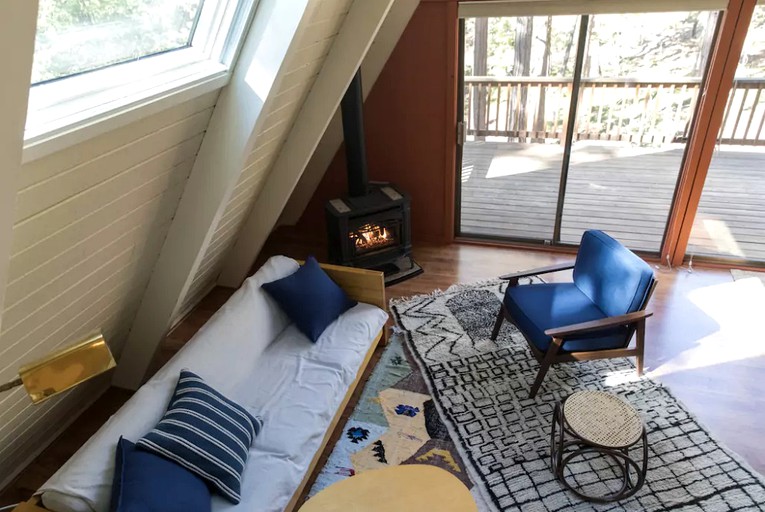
{"x": 704, "y": 341}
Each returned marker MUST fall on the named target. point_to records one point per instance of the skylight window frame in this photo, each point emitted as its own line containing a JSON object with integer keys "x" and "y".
{"x": 69, "y": 110}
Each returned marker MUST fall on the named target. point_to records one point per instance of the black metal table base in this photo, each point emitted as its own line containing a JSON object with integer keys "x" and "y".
{"x": 563, "y": 439}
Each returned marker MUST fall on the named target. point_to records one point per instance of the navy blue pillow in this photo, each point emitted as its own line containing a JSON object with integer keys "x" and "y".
{"x": 144, "y": 482}
{"x": 310, "y": 298}
{"x": 206, "y": 433}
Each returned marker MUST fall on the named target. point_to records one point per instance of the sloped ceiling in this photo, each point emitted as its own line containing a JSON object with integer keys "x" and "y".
{"x": 251, "y": 158}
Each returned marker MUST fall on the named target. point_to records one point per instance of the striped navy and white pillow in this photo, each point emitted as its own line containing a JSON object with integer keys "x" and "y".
{"x": 206, "y": 433}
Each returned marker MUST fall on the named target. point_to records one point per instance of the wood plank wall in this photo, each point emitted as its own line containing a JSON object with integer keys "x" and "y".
{"x": 301, "y": 67}
{"x": 89, "y": 224}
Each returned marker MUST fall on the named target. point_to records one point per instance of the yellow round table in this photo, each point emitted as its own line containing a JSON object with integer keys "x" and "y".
{"x": 412, "y": 487}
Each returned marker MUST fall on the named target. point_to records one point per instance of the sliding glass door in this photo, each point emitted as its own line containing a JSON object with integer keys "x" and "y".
{"x": 577, "y": 122}
{"x": 730, "y": 221}
{"x": 518, "y": 73}
{"x": 641, "y": 77}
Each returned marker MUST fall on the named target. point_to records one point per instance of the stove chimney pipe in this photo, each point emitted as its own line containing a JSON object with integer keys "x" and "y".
{"x": 353, "y": 130}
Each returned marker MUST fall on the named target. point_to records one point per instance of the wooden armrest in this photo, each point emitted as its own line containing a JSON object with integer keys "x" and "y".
{"x": 541, "y": 270}
{"x": 597, "y": 325}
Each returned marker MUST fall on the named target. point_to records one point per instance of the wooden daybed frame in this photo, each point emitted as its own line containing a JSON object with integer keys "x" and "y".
{"x": 361, "y": 285}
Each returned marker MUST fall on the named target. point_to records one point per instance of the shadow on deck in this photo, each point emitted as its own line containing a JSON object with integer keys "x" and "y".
{"x": 510, "y": 190}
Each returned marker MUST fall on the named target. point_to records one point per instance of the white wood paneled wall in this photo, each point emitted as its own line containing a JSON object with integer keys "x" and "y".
{"x": 17, "y": 28}
{"x": 239, "y": 116}
{"x": 89, "y": 224}
{"x": 124, "y": 231}
{"x": 301, "y": 67}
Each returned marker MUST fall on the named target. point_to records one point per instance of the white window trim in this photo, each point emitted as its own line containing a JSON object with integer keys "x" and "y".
{"x": 66, "y": 112}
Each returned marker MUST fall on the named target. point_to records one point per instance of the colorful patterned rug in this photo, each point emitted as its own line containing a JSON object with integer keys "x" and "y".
{"x": 394, "y": 422}
{"x": 453, "y": 398}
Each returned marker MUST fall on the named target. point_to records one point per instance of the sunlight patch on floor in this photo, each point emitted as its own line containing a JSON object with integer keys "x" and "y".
{"x": 598, "y": 151}
{"x": 722, "y": 237}
{"x": 736, "y": 307}
{"x": 512, "y": 165}
{"x": 614, "y": 379}
{"x": 467, "y": 171}
{"x": 522, "y": 158}
{"x": 713, "y": 236}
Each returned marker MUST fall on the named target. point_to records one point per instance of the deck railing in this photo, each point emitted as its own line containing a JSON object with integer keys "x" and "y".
{"x": 635, "y": 111}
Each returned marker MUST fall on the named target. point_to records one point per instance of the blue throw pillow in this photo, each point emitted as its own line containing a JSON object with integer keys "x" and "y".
{"x": 310, "y": 298}
{"x": 206, "y": 433}
{"x": 144, "y": 482}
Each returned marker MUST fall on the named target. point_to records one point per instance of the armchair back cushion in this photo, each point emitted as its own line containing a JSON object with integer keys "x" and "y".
{"x": 610, "y": 275}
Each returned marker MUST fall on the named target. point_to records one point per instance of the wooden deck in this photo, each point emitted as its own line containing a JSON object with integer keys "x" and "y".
{"x": 511, "y": 190}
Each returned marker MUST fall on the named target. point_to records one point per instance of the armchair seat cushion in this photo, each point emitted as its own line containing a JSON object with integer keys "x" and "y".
{"x": 538, "y": 307}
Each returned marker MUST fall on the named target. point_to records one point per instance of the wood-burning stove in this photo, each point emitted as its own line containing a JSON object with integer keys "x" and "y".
{"x": 369, "y": 231}
{"x": 369, "y": 228}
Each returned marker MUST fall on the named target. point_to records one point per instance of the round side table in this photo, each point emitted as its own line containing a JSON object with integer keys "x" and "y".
{"x": 596, "y": 422}
{"x": 393, "y": 489}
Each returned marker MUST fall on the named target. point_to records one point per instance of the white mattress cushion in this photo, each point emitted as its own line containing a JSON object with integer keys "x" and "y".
{"x": 296, "y": 386}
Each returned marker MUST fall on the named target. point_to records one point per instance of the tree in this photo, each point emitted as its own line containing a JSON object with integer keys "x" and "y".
{"x": 667, "y": 46}
{"x": 539, "y": 123}
{"x": 567, "y": 53}
{"x": 752, "y": 63}
{"x": 708, "y": 32}
{"x": 480, "y": 59}
{"x": 524, "y": 33}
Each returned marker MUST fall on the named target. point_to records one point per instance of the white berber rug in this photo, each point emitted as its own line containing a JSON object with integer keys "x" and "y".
{"x": 481, "y": 389}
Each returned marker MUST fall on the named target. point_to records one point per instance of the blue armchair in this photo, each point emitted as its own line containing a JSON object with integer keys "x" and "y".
{"x": 594, "y": 317}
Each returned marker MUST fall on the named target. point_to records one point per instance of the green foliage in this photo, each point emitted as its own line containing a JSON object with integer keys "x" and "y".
{"x": 649, "y": 46}
{"x": 502, "y": 40}
{"x": 656, "y": 49}
{"x": 752, "y": 63}
{"x": 63, "y": 13}
{"x": 79, "y": 35}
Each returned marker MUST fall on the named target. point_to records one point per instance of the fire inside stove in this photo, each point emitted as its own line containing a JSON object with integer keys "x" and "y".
{"x": 370, "y": 237}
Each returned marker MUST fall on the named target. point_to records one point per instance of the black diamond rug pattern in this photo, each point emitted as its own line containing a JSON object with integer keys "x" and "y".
{"x": 480, "y": 389}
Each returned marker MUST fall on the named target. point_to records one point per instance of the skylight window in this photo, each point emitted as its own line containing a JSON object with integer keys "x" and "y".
{"x": 99, "y": 64}
{"x": 76, "y": 37}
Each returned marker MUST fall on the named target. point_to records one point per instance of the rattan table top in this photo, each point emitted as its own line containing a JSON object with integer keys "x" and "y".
{"x": 602, "y": 418}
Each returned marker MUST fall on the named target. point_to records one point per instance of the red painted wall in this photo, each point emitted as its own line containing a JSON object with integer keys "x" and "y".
{"x": 410, "y": 120}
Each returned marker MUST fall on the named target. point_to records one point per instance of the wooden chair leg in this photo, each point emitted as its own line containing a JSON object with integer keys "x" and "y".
{"x": 552, "y": 351}
{"x": 498, "y": 323}
{"x": 640, "y": 346}
{"x": 540, "y": 377}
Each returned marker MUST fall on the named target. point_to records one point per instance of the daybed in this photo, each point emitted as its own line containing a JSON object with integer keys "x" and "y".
{"x": 250, "y": 352}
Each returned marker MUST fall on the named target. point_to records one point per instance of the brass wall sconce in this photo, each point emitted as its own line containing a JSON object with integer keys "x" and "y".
{"x": 64, "y": 369}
